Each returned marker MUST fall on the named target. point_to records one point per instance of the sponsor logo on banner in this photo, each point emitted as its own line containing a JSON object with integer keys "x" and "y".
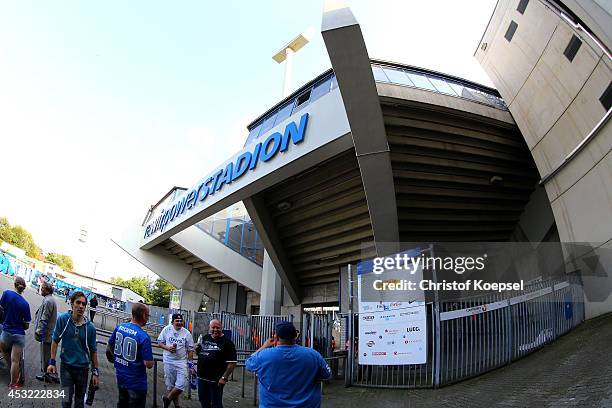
{"x": 387, "y": 317}
{"x": 391, "y": 331}
{"x": 408, "y": 313}
{"x": 379, "y": 353}
{"x": 368, "y": 318}
{"x": 389, "y": 343}
{"x": 413, "y": 329}
{"x": 370, "y": 343}
{"x": 370, "y": 332}
{"x": 396, "y": 304}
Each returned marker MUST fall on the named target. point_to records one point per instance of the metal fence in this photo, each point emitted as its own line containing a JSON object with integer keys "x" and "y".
{"x": 474, "y": 335}
{"x": 317, "y": 332}
{"x": 247, "y": 332}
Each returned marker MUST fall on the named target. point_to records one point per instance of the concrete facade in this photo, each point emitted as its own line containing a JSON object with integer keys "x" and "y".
{"x": 556, "y": 103}
{"x": 384, "y": 161}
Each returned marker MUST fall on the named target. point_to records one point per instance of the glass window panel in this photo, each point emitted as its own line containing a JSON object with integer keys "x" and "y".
{"x": 379, "y": 74}
{"x": 284, "y": 112}
{"x": 334, "y": 82}
{"x": 320, "y": 89}
{"x": 420, "y": 81}
{"x": 398, "y": 76}
{"x": 461, "y": 90}
{"x": 267, "y": 123}
{"x": 480, "y": 96}
{"x": 253, "y": 135}
{"x": 302, "y": 101}
{"x": 441, "y": 85}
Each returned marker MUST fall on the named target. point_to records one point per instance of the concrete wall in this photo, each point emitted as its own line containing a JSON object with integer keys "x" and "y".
{"x": 168, "y": 267}
{"x": 555, "y": 103}
{"x": 221, "y": 257}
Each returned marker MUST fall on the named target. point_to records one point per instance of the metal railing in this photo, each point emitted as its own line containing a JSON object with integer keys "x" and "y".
{"x": 471, "y": 336}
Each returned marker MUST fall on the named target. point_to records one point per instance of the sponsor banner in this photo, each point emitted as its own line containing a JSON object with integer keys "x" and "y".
{"x": 471, "y": 311}
{"x": 175, "y": 299}
{"x": 392, "y": 331}
{"x": 531, "y": 295}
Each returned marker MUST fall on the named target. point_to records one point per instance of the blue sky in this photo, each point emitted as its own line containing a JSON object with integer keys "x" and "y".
{"x": 104, "y": 106}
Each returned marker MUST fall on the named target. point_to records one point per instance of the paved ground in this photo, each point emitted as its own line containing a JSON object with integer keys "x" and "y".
{"x": 575, "y": 371}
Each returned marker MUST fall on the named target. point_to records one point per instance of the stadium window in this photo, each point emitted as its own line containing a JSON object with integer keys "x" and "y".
{"x": 572, "y": 48}
{"x": 511, "y": 30}
{"x": 302, "y": 100}
{"x": 522, "y": 6}
{"x": 606, "y": 98}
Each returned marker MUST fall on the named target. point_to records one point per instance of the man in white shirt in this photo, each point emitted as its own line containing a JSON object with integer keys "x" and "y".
{"x": 177, "y": 343}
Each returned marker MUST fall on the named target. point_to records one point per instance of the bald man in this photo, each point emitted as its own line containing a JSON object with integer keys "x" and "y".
{"x": 216, "y": 362}
{"x": 16, "y": 321}
{"x": 129, "y": 348}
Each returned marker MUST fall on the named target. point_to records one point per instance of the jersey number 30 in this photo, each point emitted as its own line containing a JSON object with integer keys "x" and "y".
{"x": 126, "y": 347}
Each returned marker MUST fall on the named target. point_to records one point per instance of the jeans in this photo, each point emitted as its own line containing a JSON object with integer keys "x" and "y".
{"x": 132, "y": 398}
{"x": 45, "y": 355}
{"x": 9, "y": 340}
{"x": 210, "y": 394}
{"x": 74, "y": 384}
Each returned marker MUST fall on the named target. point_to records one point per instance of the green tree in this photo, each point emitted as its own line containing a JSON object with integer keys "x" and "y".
{"x": 156, "y": 293}
{"x": 140, "y": 285}
{"x": 160, "y": 292}
{"x": 63, "y": 261}
{"x": 19, "y": 237}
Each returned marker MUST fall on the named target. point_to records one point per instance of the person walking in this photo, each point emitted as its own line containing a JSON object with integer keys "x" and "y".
{"x": 79, "y": 351}
{"x": 129, "y": 348}
{"x": 16, "y": 321}
{"x": 216, "y": 362}
{"x": 93, "y": 304}
{"x": 45, "y": 319}
{"x": 177, "y": 343}
{"x": 289, "y": 375}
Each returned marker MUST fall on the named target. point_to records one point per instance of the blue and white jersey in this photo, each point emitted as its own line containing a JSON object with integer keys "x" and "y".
{"x": 183, "y": 341}
{"x": 132, "y": 347}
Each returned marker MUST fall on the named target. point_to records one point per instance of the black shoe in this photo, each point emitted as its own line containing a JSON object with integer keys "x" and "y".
{"x": 166, "y": 401}
{"x": 44, "y": 377}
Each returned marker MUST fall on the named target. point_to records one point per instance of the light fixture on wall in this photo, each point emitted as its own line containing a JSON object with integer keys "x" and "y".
{"x": 496, "y": 180}
{"x": 283, "y": 205}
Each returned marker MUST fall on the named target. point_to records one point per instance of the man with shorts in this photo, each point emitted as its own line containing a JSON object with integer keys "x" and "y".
{"x": 16, "y": 321}
{"x": 177, "y": 343}
{"x": 129, "y": 348}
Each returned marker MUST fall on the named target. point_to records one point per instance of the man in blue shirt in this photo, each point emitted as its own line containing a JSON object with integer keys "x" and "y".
{"x": 289, "y": 374}
{"x": 78, "y": 338}
{"x": 16, "y": 321}
{"x": 129, "y": 348}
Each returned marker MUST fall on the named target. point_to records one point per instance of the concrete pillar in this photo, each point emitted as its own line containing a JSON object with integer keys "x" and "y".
{"x": 227, "y": 297}
{"x": 191, "y": 300}
{"x": 271, "y": 288}
{"x": 343, "y": 291}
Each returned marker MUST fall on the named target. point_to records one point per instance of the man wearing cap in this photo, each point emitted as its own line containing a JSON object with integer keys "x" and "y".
{"x": 216, "y": 362}
{"x": 177, "y": 343}
{"x": 16, "y": 321}
{"x": 289, "y": 374}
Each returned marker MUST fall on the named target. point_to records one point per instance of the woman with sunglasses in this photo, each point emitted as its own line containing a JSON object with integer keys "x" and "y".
{"x": 78, "y": 337}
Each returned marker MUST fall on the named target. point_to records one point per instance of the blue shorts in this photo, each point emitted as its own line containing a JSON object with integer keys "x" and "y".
{"x": 9, "y": 340}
